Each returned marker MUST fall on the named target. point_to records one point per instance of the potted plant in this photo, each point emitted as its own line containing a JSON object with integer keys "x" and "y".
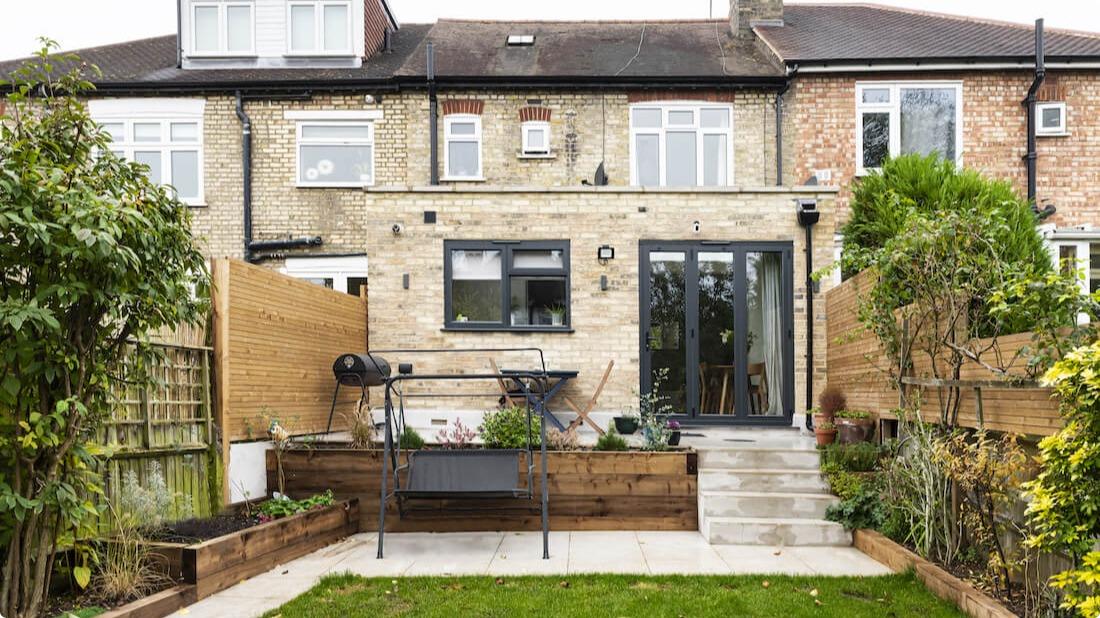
{"x": 674, "y": 432}
{"x": 557, "y": 315}
{"x": 830, "y": 402}
{"x": 461, "y": 318}
{"x": 854, "y": 426}
{"x": 825, "y": 432}
{"x": 626, "y": 424}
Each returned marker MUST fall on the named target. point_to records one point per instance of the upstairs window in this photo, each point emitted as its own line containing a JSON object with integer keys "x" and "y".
{"x": 335, "y": 154}
{"x": 462, "y": 147}
{"x": 536, "y": 138}
{"x": 222, "y": 28}
{"x": 320, "y": 27}
{"x": 894, "y": 119}
{"x": 1050, "y": 118}
{"x": 681, "y": 145}
{"x": 163, "y": 134}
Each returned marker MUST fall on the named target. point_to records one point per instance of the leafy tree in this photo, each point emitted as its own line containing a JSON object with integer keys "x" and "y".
{"x": 93, "y": 256}
{"x": 885, "y": 203}
{"x": 1064, "y": 510}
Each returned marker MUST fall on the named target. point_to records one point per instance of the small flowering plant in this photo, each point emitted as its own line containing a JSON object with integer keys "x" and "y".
{"x": 459, "y": 436}
{"x": 673, "y": 425}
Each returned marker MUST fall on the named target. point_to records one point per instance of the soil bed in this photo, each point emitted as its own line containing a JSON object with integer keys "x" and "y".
{"x": 202, "y": 529}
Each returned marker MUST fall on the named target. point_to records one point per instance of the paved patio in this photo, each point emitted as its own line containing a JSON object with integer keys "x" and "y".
{"x": 519, "y": 553}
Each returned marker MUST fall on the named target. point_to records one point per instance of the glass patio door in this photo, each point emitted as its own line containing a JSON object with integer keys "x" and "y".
{"x": 717, "y": 329}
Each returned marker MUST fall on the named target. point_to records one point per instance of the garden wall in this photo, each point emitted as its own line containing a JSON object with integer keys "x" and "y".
{"x": 857, "y": 364}
{"x": 588, "y": 491}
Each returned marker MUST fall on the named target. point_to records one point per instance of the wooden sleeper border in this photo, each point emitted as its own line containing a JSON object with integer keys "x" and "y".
{"x": 214, "y": 565}
{"x": 969, "y": 599}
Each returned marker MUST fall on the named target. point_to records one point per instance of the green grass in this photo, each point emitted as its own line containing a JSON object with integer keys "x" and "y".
{"x": 84, "y": 612}
{"x": 339, "y": 596}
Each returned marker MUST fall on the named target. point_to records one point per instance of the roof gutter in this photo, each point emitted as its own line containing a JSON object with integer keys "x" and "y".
{"x": 888, "y": 67}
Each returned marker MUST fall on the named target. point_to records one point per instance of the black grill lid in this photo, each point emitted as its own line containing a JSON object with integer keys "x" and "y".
{"x": 353, "y": 369}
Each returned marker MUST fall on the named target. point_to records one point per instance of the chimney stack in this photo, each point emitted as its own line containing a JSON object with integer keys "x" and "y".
{"x": 744, "y": 14}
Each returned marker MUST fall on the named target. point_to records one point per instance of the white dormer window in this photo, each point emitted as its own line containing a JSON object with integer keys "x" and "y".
{"x": 521, "y": 40}
{"x": 222, "y": 28}
{"x": 319, "y": 27}
{"x": 1050, "y": 118}
{"x": 536, "y": 137}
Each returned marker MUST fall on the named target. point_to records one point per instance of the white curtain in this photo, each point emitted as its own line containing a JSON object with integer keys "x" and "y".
{"x": 771, "y": 305}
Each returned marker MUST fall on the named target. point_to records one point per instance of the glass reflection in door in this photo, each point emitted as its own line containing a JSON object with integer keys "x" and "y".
{"x": 764, "y": 343}
{"x": 665, "y": 341}
{"x": 716, "y": 332}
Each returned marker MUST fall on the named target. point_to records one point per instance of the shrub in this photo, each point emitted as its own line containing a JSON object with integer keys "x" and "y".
{"x": 853, "y": 414}
{"x": 858, "y": 457}
{"x": 862, "y": 509}
{"x": 361, "y": 426}
{"x": 841, "y": 482}
{"x": 611, "y": 441}
{"x": 561, "y": 440}
{"x": 831, "y": 401}
{"x": 508, "y": 428}
{"x": 410, "y": 439}
{"x": 459, "y": 436}
{"x": 285, "y": 507}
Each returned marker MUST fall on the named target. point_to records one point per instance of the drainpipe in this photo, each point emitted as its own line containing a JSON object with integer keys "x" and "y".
{"x": 1031, "y": 158}
{"x": 179, "y": 34}
{"x": 246, "y": 167}
{"x": 808, "y": 215}
{"x": 779, "y": 125}
{"x": 433, "y": 116}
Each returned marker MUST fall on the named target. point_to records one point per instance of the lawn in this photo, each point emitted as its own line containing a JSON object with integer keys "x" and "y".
{"x": 617, "y": 595}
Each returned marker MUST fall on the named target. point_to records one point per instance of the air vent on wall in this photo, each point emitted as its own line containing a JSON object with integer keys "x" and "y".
{"x": 521, "y": 40}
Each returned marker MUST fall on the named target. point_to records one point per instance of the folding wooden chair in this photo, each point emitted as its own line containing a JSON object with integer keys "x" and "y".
{"x": 505, "y": 395}
{"x": 582, "y": 415}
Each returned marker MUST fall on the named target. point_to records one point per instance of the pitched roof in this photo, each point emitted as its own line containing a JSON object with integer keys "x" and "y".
{"x": 607, "y": 50}
{"x": 866, "y": 32}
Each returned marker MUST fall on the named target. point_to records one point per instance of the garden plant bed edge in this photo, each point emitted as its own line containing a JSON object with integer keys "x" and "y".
{"x": 943, "y": 584}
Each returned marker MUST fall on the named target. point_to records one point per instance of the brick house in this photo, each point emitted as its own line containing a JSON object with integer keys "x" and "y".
{"x": 646, "y": 193}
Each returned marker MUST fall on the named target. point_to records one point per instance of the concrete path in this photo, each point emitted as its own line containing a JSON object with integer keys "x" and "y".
{"x": 519, "y": 553}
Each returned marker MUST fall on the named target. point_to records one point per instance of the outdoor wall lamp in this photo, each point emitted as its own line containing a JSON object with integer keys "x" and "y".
{"x": 605, "y": 254}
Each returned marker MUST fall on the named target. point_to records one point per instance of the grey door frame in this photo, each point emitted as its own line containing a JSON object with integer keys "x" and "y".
{"x": 740, "y": 249}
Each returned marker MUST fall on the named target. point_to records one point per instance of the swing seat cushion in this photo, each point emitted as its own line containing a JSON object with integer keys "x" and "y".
{"x": 464, "y": 474}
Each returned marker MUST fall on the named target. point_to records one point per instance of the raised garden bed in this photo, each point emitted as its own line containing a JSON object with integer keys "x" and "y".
{"x": 210, "y": 566}
{"x": 969, "y": 599}
{"x": 589, "y": 490}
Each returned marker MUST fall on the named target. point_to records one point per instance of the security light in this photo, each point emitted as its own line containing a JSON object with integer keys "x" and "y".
{"x": 605, "y": 253}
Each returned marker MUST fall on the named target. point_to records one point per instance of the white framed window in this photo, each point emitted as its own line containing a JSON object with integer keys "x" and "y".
{"x": 163, "y": 134}
{"x": 319, "y": 27}
{"x": 346, "y": 274}
{"x": 899, "y": 118}
{"x": 335, "y": 153}
{"x": 1050, "y": 118}
{"x": 681, "y": 144}
{"x": 222, "y": 28}
{"x": 535, "y": 137}
{"x": 462, "y": 147}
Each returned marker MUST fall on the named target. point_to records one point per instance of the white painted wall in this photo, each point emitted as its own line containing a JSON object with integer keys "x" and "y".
{"x": 248, "y": 471}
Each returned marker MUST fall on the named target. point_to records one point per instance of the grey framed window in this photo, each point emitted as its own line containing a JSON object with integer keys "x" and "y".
{"x": 506, "y": 285}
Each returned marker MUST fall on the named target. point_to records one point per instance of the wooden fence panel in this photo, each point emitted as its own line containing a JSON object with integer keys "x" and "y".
{"x": 276, "y": 338}
{"x": 857, "y": 364}
{"x": 169, "y": 423}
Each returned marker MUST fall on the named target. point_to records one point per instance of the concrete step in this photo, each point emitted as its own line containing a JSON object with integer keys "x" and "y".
{"x": 764, "y": 504}
{"x": 759, "y": 458}
{"x": 774, "y": 532}
{"x": 796, "y": 481}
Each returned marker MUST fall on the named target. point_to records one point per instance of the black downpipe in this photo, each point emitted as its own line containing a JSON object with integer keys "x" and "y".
{"x": 433, "y": 117}
{"x": 808, "y": 215}
{"x": 179, "y": 34}
{"x": 1032, "y": 156}
{"x": 246, "y": 167}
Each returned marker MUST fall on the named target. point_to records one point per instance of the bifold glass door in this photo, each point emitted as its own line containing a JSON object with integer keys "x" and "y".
{"x": 717, "y": 329}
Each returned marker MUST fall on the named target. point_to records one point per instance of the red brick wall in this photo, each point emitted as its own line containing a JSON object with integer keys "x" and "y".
{"x": 822, "y": 125}
{"x": 374, "y": 28}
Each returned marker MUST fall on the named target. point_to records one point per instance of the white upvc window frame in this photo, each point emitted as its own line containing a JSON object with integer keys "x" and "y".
{"x": 319, "y": 28}
{"x": 300, "y": 142}
{"x": 1055, "y": 131}
{"x": 164, "y": 112}
{"x": 448, "y": 138}
{"x": 667, "y": 107}
{"x": 526, "y": 128}
{"x": 223, "y": 28}
{"x": 893, "y": 108}
{"x": 339, "y": 269}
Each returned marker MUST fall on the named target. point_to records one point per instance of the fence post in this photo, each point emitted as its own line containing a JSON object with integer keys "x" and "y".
{"x": 220, "y": 303}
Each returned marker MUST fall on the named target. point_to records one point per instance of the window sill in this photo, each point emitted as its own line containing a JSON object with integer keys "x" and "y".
{"x": 462, "y": 179}
{"x": 490, "y": 328}
{"x": 321, "y": 54}
{"x": 532, "y": 155}
{"x": 249, "y": 55}
{"x": 195, "y": 204}
{"x": 1059, "y": 134}
{"x": 357, "y": 185}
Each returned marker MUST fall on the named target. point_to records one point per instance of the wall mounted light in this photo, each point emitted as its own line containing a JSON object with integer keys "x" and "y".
{"x": 605, "y": 254}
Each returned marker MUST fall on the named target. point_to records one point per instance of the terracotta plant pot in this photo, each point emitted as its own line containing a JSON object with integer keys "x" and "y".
{"x": 626, "y": 425}
{"x": 821, "y": 417}
{"x": 824, "y": 437}
{"x": 853, "y": 430}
